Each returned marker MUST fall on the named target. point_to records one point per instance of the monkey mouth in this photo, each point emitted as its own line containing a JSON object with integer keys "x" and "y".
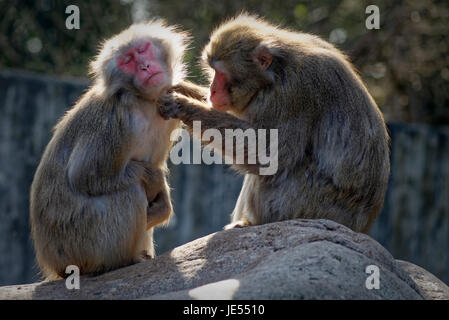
{"x": 147, "y": 81}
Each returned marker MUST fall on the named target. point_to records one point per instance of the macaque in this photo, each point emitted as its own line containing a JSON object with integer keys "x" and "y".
{"x": 332, "y": 148}
{"x": 100, "y": 187}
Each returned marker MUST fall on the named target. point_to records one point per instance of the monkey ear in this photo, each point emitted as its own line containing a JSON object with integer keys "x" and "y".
{"x": 263, "y": 57}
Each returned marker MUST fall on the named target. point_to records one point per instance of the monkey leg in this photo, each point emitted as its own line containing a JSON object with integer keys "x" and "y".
{"x": 160, "y": 209}
{"x": 149, "y": 252}
{"x": 157, "y": 191}
{"x": 146, "y": 256}
{"x": 152, "y": 179}
{"x": 243, "y": 222}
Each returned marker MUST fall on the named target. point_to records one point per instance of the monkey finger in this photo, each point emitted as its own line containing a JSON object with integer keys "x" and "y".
{"x": 166, "y": 98}
{"x": 179, "y": 97}
{"x": 167, "y": 112}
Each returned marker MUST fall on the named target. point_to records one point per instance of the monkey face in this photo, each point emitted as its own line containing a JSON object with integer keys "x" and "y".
{"x": 144, "y": 62}
{"x": 241, "y": 63}
{"x": 233, "y": 88}
{"x": 220, "y": 89}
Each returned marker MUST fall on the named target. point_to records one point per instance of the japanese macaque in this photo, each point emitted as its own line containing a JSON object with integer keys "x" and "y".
{"x": 101, "y": 187}
{"x": 333, "y": 154}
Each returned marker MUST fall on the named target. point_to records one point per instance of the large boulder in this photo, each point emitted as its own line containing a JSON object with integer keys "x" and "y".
{"x": 296, "y": 259}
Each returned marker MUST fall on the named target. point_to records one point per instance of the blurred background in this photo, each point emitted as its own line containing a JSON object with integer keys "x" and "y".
{"x": 405, "y": 65}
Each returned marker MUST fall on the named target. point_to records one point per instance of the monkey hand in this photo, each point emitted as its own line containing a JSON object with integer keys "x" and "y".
{"x": 173, "y": 106}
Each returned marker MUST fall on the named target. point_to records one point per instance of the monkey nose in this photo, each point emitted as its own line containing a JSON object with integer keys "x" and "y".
{"x": 145, "y": 66}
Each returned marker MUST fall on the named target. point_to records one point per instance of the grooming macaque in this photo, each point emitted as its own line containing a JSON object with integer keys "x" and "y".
{"x": 333, "y": 158}
{"x": 101, "y": 187}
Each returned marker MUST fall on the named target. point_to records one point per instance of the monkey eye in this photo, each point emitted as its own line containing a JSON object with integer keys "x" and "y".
{"x": 143, "y": 47}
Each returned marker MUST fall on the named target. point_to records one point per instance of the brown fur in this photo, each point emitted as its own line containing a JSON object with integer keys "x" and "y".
{"x": 333, "y": 143}
{"x": 101, "y": 187}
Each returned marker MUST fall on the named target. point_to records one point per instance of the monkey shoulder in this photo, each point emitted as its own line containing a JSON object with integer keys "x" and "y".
{"x": 91, "y": 124}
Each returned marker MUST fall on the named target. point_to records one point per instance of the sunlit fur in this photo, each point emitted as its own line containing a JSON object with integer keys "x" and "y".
{"x": 106, "y": 161}
{"x": 235, "y": 42}
{"x": 173, "y": 42}
{"x": 333, "y": 143}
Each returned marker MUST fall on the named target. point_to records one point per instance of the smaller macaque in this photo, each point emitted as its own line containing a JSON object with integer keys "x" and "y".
{"x": 101, "y": 186}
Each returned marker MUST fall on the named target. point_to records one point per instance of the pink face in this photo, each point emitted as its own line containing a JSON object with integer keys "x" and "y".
{"x": 143, "y": 61}
{"x": 219, "y": 92}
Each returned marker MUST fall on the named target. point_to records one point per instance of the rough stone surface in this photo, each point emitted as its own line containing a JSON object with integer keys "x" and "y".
{"x": 431, "y": 287}
{"x": 296, "y": 259}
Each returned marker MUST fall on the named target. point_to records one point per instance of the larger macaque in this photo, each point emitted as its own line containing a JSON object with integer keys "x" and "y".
{"x": 101, "y": 187}
{"x": 333, "y": 157}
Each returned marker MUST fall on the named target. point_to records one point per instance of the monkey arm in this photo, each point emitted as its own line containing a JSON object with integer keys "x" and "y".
{"x": 190, "y": 89}
{"x": 99, "y": 171}
{"x": 100, "y": 159}
{"x": 189, "y": 110}
{"x": 156, "y": 188}
{"x": 153, "y": 180}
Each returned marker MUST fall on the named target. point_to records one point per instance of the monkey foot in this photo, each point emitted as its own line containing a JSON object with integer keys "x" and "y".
{"x": 238, "y": 224}
{"x": 146, "y": 256}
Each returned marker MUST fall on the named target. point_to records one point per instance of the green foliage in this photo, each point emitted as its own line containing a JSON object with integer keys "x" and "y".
{"x": 405, "y": 64}
{"x": 300, "y": 13}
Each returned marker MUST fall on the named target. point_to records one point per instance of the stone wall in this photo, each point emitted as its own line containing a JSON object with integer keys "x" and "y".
{"x": 414, "y": 224}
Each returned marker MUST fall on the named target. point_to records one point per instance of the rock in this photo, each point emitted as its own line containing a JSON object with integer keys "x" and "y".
{"x": 296, "y": 259}
{"x": 431, "y": 287}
